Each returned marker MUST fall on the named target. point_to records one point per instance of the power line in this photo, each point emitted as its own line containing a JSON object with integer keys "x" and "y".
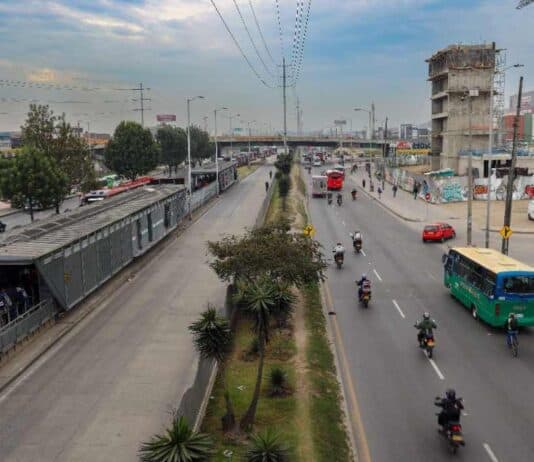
{"x": 239, "y": 47}
{"x": 251, "y": 39}
{"x": 301, "y": 52}
{"x": 297, "y": 33}
{"x": 282, "y": 50}
{"x": 260, "y": 31}
{"x": 141, "y": 100}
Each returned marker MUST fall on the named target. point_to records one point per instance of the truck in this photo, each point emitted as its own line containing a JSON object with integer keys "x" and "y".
{"x": 319, "y": 185}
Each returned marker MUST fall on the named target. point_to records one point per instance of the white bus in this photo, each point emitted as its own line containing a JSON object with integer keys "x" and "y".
{"x": 319, "y": 185}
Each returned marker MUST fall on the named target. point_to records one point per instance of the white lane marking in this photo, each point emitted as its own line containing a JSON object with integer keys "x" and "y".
{"x": 363, "y": 253}
{"x": 398, "y": 308}
{"x": 491, "y": 455}
{"x": 377, "y": 275}
{"x": 435, "y": 366}
{"x": 432, "y": 276}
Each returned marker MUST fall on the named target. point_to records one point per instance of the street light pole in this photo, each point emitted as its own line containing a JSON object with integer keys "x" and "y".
{"x": 470, "y": 95}
{"x": 189, "y": 186}
{"x": 217, "y": 146}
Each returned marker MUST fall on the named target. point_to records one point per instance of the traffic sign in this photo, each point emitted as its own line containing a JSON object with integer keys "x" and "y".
{"x": 309, "y": 231}
{"x": 506, "y": 232}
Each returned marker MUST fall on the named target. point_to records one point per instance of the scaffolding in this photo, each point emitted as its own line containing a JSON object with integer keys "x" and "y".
{"x": 498, "y": 95}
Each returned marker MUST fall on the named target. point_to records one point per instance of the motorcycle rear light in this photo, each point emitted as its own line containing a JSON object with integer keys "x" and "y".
{"x": 456, "y": 428}
{"x": 497, "y": 309}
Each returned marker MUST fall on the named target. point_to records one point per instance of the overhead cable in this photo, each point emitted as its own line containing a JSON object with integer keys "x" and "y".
{"x": 260, "y": 32}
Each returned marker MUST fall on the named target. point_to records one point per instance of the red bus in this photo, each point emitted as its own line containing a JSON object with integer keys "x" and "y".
{"x": 105, "y": 193}
{"x": 335, "y": 180}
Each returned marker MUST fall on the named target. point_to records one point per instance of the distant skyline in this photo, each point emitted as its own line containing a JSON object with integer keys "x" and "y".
{"x": 355, "y": 52}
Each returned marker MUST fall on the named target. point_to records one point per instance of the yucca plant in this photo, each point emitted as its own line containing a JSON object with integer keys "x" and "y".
{"x": 278, "y": 381}
{"x": 284, "y": 304}
{"x": 178, "y": 444}
{"x": 267, "y": 447}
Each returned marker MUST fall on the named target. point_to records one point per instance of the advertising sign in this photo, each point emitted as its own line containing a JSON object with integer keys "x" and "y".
{"x": 340, "y": 122}
{"x": 166, "y": 118}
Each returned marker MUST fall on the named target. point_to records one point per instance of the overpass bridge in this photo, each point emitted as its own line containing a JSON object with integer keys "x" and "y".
{"x": 294, "y": 141}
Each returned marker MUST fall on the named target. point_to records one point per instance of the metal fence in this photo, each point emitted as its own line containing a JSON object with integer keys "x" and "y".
{"x": 24, "y": 325}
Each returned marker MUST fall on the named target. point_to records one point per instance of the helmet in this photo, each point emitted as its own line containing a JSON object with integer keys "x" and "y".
{"x": 450, "y": 393}
{"x": 339, "y": 243}
{"x": 426, "y": 315}
{"x": 511, "y": 315}
{"x": 364, "y": 276}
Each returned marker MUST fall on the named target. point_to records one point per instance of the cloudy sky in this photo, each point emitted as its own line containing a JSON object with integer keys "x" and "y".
{"x": 82, "y": 56}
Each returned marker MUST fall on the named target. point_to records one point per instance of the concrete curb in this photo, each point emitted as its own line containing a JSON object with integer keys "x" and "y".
{"x": 120, "y": 277}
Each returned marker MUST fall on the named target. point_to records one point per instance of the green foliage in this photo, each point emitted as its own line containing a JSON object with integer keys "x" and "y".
{"x": 269, "y": 251}
{"x": 283, "y": 163}
{"x": 284, "y": 184}
{"x": 201, "y": 147}
{"x": 132, "y": 151}
{"x": 278, "y": 382}
{"x": 173, "y": 146}
{"x": 34, "y": 179}
{"x": 212, "y": 335}
{"x": 252, "y": 351}
{"x": 56, "y": 139}
{"x": 267, "y": 447}
{"x": 178, "y": 444}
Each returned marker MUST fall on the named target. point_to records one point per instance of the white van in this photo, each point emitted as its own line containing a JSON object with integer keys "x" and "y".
{"x": 531, "y": 210}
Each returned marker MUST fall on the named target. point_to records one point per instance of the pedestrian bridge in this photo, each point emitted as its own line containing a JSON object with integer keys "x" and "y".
{"x": 294, "y": 141}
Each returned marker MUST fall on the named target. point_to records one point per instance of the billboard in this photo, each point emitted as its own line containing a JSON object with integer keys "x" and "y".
{"x": 340, "y": 122}
{"x": 166, "y": 118}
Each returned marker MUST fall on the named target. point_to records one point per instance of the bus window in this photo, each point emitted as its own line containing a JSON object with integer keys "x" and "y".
{"x": 519, "y": 285}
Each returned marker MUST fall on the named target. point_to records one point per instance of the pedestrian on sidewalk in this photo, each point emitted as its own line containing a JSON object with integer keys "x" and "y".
{"x": 270, "y": 175}
{"x": 395, "y": 190}
{"x": 266, "y": 186}
{"x": 363, "y": 183}
{"x": 415, "y": 190}
{"x": 379, "y": 192}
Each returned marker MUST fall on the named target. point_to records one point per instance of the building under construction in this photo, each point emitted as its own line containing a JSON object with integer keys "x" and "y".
{"x": 460, "y": 75}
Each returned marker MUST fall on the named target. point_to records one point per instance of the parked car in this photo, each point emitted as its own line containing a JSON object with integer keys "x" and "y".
{"x": 531, "y": 210}
{"x": 2, "y": 227}
{"x": 438, "y": 232}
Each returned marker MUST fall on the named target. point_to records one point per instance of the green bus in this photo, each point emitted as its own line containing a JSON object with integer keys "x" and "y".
{"x": 490, "y": 284}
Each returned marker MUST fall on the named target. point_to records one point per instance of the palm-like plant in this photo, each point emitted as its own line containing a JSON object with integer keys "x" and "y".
{"x": 267, "y": 447}
{"x": 212, "y": 337}
{"x": 258, "y": 300}
{"x": 178, "y": 444}
{"x": 284, "y": 304}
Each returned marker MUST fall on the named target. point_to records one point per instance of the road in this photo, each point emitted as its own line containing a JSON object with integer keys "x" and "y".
{"x": 111, "y": 383}
{"x": 23, "y": 218}
{"x": 393, "y": 380}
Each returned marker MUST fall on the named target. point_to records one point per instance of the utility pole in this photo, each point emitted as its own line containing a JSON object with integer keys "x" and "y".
{"x": 488, "y": 198}
{"x": 205, "y": 119}
{"x": 141, "y": 100}
{"x": 384, "y": 151}
{"x": 217, "y": 146}
{"x": 372, "y": 120}
{"x": 511, "y": 174}
{"x": 298, "y": 117}
{"x": 470, "y": 172}
{"x": 285, "y": 103}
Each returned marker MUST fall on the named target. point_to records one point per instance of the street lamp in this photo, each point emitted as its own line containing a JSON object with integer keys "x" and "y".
{"x": 217, "y": 147}
{"x": 231, "y": 133}
{"x": 249, "y": 132}
{"x": 488, "y": 198}
{"x": 189, "y": 186}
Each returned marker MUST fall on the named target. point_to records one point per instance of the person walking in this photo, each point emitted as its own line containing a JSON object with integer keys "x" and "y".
{"x": 270, "y": 175}
{"x": 363, "y": 183}
{"x": 415, "y": 190}
{"x": 379, "y": 190}
{"x": 266, "y": 186}
{"x": 395, "y": 190}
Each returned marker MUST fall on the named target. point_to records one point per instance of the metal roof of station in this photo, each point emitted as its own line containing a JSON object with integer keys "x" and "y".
{"x": 58, "y": 231}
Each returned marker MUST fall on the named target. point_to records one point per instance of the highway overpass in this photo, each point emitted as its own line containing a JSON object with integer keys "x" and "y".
{"x": 294, "y": 141}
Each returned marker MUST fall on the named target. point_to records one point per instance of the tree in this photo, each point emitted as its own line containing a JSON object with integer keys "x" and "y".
{"x": 34, "y": 179}
{"x": 212, "y": 337}
{"x": 258, "y": 301}
{"x": 267, "y": 447}
{"x": 55, "y": 137}
{"x": 173, "y": 146}
{"x": 287, "y": 258}
{"x": 178, "y": 444}
{"x": 201, "y": 147}
{"x": 131, "y": 151}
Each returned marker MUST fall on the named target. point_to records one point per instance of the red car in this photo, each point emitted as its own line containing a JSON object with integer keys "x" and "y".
{"x": 438, "y": 232}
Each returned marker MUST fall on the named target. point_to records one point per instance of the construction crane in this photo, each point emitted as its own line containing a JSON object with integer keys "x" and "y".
{"x": 523, "y": 3}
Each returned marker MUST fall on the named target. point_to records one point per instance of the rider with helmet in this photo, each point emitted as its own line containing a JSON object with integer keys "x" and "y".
{"x": 426, "y": 324}
{"x": 451, "y": 408}
{"x": 364, "y": 281}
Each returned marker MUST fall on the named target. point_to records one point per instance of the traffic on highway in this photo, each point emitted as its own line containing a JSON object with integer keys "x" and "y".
{"x": 468, "y": 353}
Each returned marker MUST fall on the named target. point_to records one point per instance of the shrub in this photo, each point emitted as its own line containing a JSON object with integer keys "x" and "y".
{"x": 267, "y": 447}
{"x": 278, "y": 382}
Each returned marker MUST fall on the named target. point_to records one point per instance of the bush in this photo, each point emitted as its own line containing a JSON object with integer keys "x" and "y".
{"x": 253, "y": 350}
{"x": 278, "y": 382}
{"x": 284, "y": 184}
{"x": 267, "y": 447}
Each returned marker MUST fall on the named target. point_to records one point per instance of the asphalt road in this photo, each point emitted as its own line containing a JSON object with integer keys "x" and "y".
{"x": 112, "y": 382}
{"x": 393, "y": 380}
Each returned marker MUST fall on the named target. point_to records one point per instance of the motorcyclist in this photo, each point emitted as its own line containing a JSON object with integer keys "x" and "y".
{"x": 354, "y": 193}
{"x": 360, "y": 283}
{"x": 426, "y": 324}
{"x": 356, "y": 237}
{"x": 329, "y": 197}
{"x": 451, "y": 408}
{"x": 339, "y": 199}
{"x": 338, "y": 250}
{"x": 512, "y": 327}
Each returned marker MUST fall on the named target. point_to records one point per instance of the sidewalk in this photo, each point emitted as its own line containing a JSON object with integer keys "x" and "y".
{"x": 419, "y": 211}
{"x": 113, "y": 380}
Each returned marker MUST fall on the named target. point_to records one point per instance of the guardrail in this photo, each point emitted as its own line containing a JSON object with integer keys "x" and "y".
{"x": 26, "y": 324}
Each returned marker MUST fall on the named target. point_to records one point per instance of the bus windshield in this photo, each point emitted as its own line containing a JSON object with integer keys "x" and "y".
{"x": 519, "y": 284}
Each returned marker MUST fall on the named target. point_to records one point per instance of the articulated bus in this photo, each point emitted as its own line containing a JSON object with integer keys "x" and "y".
{"x": 491, "y": 285}
{"x": 105, "y": 193}
{"x": 335, "y": 180}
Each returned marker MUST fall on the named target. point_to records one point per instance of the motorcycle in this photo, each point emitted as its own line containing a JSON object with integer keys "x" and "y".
{"x": 354, "y": 193}
{"x": 365, "y": 296}
{"x": 357, "y": 244}
{"x": 339, "y": 200}
{"x": 428, "y": 343}
{"x": 329, "y": 200}
{"x": 452, "y": 432}
{"x": 338, "y": 258}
